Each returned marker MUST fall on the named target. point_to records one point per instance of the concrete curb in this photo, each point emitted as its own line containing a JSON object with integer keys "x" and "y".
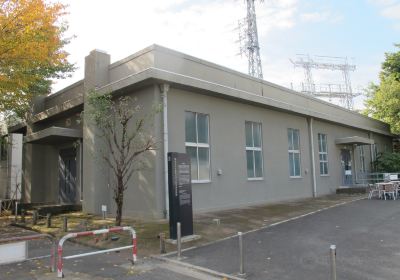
{"x": 198, "y": 268}
{"x": 268, "y": 226}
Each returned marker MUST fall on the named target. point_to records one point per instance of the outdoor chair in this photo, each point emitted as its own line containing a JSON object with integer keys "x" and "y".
{"x": 390, "y": 190}
{"x": 373, "y": 190}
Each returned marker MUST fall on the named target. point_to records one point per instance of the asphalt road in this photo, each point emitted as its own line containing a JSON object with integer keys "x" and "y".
{"x": 366, "y": 233}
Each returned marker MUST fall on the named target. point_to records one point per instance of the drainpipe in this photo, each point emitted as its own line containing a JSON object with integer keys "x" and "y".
{"x": 311, "y": 137}
{"x": 371, "y": 153}
{"x": 355, "y": 177}
{"x": 164, "y": 88}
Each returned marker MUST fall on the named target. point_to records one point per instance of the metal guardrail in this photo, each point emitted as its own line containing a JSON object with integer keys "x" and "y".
{"x": 2, "y": 206}
{"x": 89, "y": 233}
{"x": 35, "y": 237}
{"x": 364, "y": 179}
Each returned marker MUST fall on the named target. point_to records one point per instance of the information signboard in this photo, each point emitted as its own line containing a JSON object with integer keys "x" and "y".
{"x": 180, "y": 194}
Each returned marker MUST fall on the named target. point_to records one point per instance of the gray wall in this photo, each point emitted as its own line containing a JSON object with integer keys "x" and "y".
{"x": 3, "y": 178}
{"x": 227, "y": 140}
{"x": 144, "y": 196}
{"x": 40, "y": 173}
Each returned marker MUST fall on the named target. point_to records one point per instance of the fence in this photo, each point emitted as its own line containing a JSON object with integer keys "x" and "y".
{"x": 35, "y": 237}
{"x": 6, "y": 205}
{"x": 364, "y": 179}
{"x": 89, "y": 233}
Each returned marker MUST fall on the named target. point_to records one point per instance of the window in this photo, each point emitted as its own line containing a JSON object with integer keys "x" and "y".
{"x": 323, "y": 154}
{"x": 198, "y": 145}
{"x": 294, "y": 152}
{"x": 254, "y": 150}
{"x": 362, "y": 158}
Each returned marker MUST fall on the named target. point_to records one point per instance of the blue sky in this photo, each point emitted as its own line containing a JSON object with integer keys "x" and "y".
{"x": 358, "y": 29}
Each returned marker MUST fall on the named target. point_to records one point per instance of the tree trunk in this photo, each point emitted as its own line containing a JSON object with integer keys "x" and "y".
{"x": 119, "y": 199}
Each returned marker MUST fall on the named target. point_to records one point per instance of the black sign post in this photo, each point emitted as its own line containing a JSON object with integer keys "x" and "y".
{"x": 180, "y": 194}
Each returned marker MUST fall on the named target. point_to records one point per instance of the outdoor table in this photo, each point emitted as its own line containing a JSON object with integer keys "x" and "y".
{"x": 382, "y": 187}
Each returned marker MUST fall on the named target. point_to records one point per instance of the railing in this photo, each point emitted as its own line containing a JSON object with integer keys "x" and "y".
{"x": 364, "y": 179}
{"x": 6, "y": 204}
{"x": 89, "y": 233}
{"x": 35, "y": 237}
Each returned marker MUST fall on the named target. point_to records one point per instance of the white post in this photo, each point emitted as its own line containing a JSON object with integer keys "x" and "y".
{"x": 241, "y": 257}
{"x": 333, "y": 261}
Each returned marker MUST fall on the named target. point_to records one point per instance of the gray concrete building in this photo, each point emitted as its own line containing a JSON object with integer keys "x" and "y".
{"x": 250, "y": 141}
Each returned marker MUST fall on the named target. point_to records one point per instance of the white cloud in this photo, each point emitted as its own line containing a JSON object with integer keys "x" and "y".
{"x": 383, "y": 2}
{"x": 315, "y": 17}
{"x": 388, "y": 8}
{"x": 205, "y": 29}
{"x": 392, "y": 12}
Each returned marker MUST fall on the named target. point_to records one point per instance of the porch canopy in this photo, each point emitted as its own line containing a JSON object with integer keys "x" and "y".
{"x": 354, "y": 140}
{"x": 54, "y": 135}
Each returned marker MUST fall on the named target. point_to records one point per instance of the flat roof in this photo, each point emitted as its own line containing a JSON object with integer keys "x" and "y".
{"x": 53, "y": 135}
{"x": 354, "y": 140}
{"x": 157, "y": 64}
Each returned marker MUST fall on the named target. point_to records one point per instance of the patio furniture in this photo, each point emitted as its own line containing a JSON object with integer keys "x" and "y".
{"x": 390, "y": 190}
{"x": 373, "y": 189}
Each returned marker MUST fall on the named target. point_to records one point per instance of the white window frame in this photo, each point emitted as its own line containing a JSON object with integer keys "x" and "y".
{"x": 259, "y": 149}
{"x": 295, "y": 152}
{"x": 198, "y": 145}
{"x": 320, "y": 142}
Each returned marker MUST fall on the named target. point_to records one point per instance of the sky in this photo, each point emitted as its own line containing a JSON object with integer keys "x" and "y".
{"x": 361, "y": 30}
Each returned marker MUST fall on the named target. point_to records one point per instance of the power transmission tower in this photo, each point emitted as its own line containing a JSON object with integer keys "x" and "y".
{"x": 248, "y": 39}
{"x": 343, "y": 92}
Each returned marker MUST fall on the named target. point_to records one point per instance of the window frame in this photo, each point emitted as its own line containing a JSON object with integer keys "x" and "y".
{"x": 293, "y": 151}
{"x": 254, "y": 149}
{"x": 198, "y": 145}
{"x": 320, "y": 152}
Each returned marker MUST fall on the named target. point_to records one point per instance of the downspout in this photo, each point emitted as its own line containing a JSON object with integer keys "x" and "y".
{"x": 311, "y": 137}
{"x": 164, "y": 88}
{"x": 372, "y": 155}
{"x": 355, "y": 166}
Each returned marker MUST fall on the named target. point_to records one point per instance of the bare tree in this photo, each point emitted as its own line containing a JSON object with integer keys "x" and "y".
{"x": 123, "y": 126}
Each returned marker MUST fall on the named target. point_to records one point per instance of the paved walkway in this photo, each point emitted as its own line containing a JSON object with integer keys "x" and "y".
{"x": 366, "y": 233}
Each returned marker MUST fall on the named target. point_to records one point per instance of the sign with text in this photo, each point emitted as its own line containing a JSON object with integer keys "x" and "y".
{"x": 180, "y": 194}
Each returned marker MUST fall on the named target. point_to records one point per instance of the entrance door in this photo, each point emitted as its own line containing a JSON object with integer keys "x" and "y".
{"x": 346, "y": 167}
{"x": 67, "y": 176}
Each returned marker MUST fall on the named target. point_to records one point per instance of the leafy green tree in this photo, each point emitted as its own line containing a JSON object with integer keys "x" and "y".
{"x": 383, "y": 100}
{"x": 391, "y": 65}
{"x": 388, "y": 162}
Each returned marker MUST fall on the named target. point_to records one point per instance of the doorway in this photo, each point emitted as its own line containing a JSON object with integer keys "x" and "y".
{"x": 346, "y": 167}
{"x": 67, "y": 176}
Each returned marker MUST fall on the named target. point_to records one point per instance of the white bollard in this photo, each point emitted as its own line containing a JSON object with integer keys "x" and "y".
{"x": 333, "y": 261}
{"x": 241, "y": 257}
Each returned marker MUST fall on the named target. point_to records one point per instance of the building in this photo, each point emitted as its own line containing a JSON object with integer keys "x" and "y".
{"x": 250, "y": 141}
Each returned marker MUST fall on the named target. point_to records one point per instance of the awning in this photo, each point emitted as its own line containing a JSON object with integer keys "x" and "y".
{"x": 54, "y": 135}
{"x": 354, "y": 140}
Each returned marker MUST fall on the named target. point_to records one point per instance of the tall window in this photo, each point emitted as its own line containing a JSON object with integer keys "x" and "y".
{"x": 198, "y": 145}
{"x": 294, "y": 152}
{"x": 362, "y": 158}
{"x": 254, "y": 150}
{"x": 323, "y": 154}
